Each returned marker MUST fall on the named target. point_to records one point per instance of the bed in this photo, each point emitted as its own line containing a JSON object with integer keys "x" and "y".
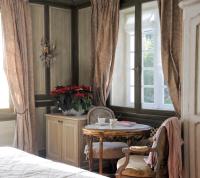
{"x": 15, "y": 163}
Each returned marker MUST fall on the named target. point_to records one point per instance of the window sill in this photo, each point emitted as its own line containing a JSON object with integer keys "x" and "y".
{"x": 142, "y": 111}
{"x": 7, "y": 115}
{"x": 153, "y": 118}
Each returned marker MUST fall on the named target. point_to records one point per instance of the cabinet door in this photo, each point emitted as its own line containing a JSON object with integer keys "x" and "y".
{"x": 54, "y": 137}
{"x": 70, "y": 145}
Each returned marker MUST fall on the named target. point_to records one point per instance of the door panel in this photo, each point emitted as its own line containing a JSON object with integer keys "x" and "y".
{"x": 197, "y": 72}
{"x": 54, "y": 137}
{"x": 194, "y": 96}
{"x": 70, "y": 142}
{"x": 191, "y": 88}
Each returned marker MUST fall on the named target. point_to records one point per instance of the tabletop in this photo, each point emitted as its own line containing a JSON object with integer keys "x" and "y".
{"x": 117, "y": 127}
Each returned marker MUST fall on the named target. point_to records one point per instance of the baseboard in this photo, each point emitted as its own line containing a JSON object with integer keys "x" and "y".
{"x": 42, "y": 153}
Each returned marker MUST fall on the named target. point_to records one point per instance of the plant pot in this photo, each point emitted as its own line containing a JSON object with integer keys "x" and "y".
{"x": 73, "y": 112}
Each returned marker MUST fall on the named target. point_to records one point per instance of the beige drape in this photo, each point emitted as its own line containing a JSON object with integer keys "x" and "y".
{"x": 18, "y": 63}
{"x": 171, "y": 45}
{"x": 105, "y": 25}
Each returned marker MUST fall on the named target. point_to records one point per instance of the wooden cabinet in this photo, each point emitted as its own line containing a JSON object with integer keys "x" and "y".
{"x": 65, "y": 141}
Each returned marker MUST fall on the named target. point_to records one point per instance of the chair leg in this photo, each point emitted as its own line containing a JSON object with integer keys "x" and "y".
{"x": 90, "y": 146}
{"x": 117, "y": 176}
{"x": 112, "y": 163}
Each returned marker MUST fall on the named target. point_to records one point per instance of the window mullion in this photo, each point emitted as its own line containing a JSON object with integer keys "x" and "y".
{"x": 138, "y": 55}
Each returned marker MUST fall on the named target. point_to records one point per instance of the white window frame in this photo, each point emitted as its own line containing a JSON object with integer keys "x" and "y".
{"x": 8, "y": 109}
{"x": 158, "y": 84}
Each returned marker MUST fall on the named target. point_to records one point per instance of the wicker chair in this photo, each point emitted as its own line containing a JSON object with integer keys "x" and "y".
{"x": 111, "y": 150}
{"x": 134, "y": 166}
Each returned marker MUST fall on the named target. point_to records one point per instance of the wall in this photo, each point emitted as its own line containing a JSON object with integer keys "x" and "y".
{"x": 59, "y": 27}
{"x": 7, "y": 129}
{"x": 85, "y": 64}
{"x": 60, "y": 34}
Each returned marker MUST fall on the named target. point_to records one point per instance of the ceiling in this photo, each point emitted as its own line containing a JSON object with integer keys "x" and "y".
{"x": 62, "y": 2}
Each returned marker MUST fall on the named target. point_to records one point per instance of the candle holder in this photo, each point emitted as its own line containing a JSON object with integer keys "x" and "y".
{"x": 48, "y": 52}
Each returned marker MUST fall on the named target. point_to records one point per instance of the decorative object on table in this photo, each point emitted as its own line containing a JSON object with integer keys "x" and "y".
{"x": 112, "y": 122}
{"x": 48, "y": 52}
{"x": 126, "y": 123}
{"x": 101, "y": 120}
{"x": 73, "y": 100}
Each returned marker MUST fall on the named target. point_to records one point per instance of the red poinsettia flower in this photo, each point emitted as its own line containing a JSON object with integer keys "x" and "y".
{"x": 79, "y": 95}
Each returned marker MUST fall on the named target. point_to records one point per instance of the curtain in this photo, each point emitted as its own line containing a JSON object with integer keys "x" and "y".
{"x": 18, "y": 65}
{"x": 171, "y": 45}
{"x": 105, "y": 25}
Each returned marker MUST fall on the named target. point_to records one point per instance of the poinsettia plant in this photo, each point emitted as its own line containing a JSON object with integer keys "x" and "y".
{"x": 73, "y": 97}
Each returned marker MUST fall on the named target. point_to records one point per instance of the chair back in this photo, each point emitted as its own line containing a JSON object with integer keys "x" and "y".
{"x": 98, "y": 112}
{"x": 162, "y": 146}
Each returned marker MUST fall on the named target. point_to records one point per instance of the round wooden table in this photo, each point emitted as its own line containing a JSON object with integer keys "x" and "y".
{"x": 108, "y": 131}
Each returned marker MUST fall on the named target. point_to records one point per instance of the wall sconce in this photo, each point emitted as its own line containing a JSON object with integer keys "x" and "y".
{"x": 48, "y": 52}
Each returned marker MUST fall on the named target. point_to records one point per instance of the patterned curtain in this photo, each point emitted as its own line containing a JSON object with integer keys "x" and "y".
{"x": 18, "y": 64}
{"x": 105, "y": 25}
{"x": 171, "y": 48}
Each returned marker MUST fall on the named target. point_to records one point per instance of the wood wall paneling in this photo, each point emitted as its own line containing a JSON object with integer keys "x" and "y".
{"x": 60, "y": 35}
{"x": 85, "y": 63}
{"x": 41, "y": 128}
{"x": 7, "y": 130}
{"x": 37, "y": 13}
{"x": 74, "y": 47}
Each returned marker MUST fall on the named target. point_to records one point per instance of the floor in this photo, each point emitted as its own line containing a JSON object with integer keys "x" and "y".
{"x": 109, "y": 169}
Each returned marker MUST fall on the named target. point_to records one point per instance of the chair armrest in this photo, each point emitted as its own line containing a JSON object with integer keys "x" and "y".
{"x": 141, "y": 149}
{"x": 138, "y": 150}
{"x": 133, "y": 150}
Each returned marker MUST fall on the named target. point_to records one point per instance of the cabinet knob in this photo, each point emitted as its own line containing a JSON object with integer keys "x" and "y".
{"x": 59, "y": 121}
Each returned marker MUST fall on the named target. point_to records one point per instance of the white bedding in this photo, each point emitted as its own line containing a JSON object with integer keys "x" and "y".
{"x": 15, "y": 163}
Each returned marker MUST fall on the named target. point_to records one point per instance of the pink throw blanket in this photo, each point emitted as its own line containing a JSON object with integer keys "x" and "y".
{"x": 173, "y": 127}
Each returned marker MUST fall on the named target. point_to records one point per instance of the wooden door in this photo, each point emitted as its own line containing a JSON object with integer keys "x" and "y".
{"x": 54, "y": 138}
{"x": 70, "y": 152}
{"x": 191, "y": 88}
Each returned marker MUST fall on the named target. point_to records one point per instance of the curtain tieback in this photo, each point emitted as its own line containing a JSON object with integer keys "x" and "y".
{"x": 21, "y": 113}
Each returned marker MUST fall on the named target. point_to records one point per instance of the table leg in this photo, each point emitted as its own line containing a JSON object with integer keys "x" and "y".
{"x": 129, "y": 141}
{"x": 90, "y": 147}
{"x": 100, "y": 155}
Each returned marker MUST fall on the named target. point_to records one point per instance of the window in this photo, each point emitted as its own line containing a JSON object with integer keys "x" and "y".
{"x": 4, "y": 91}
{"x": 138, "y": 78}
{"x": 123, "y": 83}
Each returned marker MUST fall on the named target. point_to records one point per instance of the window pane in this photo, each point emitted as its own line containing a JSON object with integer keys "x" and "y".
{"x": 148, "y": 77}
{"x": 148, "y": 59}
{"x": 147, "y": 39}
{"x": 167, "y": 99}
{"x": 132, "y": 94}
{"x": 132, "y": 60}
{"x": 4, "y": 94}
{"x": 132, "y": 77}
{"x": 155, "y": 96}
{"x": 122, "y": 92}
{"x": 148, "y": 95}
{"x": 132, "y": 43}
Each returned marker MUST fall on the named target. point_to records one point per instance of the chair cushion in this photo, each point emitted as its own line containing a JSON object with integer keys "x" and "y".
{"x": 136, "y": 167}
{"x": 111, "y": 150}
